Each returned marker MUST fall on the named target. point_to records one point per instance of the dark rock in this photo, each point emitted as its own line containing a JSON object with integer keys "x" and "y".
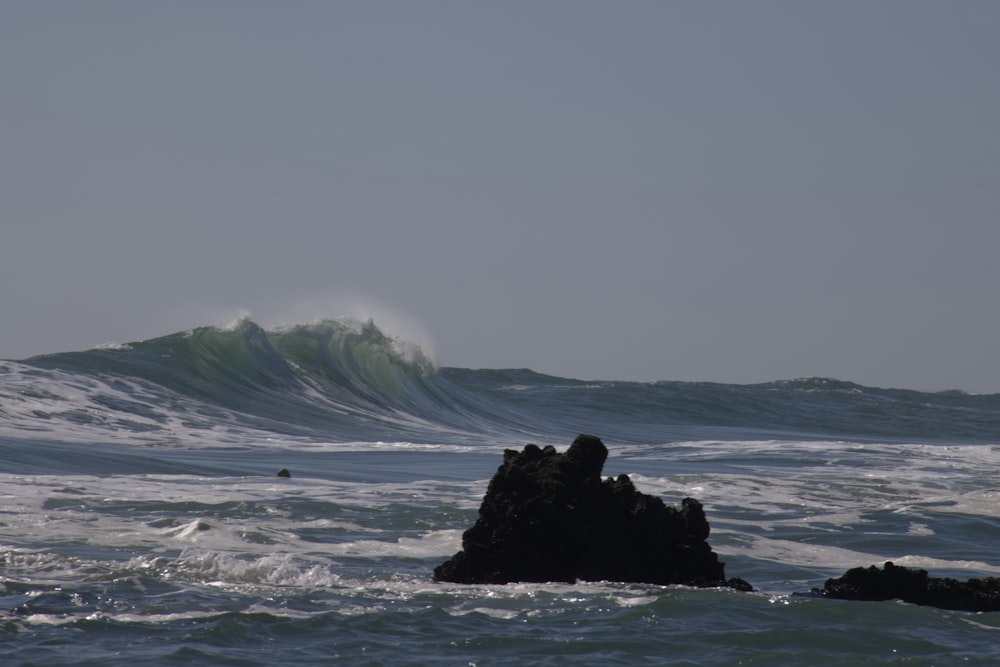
{"x": 915, "y": 586}
{"x": 284, "y": 473}
{"x": 549, "y": 517}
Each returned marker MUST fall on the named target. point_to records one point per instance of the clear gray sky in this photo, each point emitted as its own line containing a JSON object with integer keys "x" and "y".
{"x": 634, "y": 190}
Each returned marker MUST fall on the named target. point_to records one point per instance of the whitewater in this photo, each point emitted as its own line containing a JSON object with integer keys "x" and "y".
{"x": 141, "y": 517}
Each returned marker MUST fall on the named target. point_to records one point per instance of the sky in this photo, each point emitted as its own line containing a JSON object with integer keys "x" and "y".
{"x": 720, "y": 191}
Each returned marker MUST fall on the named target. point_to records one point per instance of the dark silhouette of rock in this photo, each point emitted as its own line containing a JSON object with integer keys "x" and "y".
{"x": 549, "y": 517}
{"x": 284, "y": 473}
{"x": 912, "y": 585}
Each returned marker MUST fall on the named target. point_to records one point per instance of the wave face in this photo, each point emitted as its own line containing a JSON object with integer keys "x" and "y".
{"x": 338, "y": 380}
{"x": 341, "y": 381}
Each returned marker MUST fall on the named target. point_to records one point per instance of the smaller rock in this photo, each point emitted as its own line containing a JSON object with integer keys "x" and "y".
{"x": 284, "y": 473}
{"x": 912, "y": 585}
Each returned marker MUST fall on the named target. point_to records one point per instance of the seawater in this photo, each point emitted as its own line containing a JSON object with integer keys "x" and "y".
{"x": 141, "y": 518}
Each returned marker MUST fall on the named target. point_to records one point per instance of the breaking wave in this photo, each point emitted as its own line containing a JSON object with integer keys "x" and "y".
{"x": 341, "y": 380}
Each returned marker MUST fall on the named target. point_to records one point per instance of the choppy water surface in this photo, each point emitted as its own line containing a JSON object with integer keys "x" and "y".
{"x": 141, "y": 519}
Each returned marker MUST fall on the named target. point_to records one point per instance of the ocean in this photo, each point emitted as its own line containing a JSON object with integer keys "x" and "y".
{"x": 142, "y": 519}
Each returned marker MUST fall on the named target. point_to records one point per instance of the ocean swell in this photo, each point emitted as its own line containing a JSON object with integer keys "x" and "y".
{"x": 340, "y": 380}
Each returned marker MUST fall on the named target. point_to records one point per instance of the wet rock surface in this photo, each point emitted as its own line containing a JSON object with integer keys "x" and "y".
{"x": 549, "y": 516}
{"x": 893, "y": 582}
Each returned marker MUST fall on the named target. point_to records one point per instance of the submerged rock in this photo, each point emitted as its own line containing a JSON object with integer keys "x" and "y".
{"x": 915, "y": 586}
{"x": 548, "y": 516}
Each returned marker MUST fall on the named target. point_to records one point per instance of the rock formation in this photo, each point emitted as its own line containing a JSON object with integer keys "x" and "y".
{"x": 549, "y": 517}
{"x": 912, "y": 585}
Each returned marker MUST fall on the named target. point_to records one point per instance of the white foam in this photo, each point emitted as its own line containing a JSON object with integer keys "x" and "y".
{"x": 162, "y": 618}
{"x": 190, "y": 531}
{"x": 984, "y": 503}
{"x": 113, "y": 346}
{"x": 921, "y": 529}
{"x": 256, "y": 538}
{"x": 930, "y": 563}
{"x": 225, "y": 570}
{"x": 441, "y": 543}
{"x": 803, "y": 554}
{"x": 637, "y": 601}
{"x": 51, "y": 619}
{"x": 815, "y": 556}
{"x": 503, "y": 614}
{"x": 58, "y": 405}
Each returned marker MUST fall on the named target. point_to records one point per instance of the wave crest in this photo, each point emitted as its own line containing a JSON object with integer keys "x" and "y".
{"x": 318, "y": 374}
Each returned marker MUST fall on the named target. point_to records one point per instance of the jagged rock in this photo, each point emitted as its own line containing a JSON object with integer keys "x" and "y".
{"x": 548, "y": 516}
{"x": 914, "y": 586}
